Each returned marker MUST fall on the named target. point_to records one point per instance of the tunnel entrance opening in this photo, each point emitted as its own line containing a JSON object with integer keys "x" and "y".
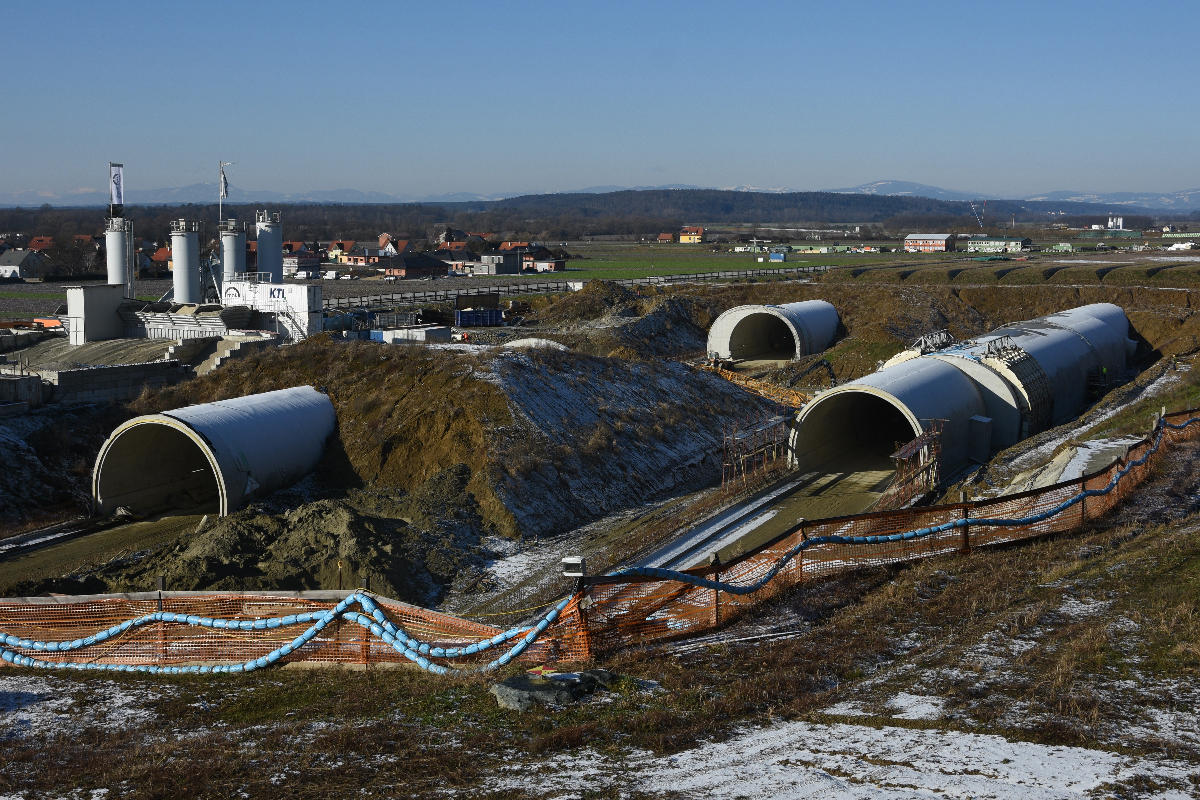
{"x": 852, "y": 432}
{"x": 152, "y": 468}
{"x": 761, "y": 339}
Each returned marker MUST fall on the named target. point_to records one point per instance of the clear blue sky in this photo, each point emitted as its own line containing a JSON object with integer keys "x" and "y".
{"x": 423, "y": 97}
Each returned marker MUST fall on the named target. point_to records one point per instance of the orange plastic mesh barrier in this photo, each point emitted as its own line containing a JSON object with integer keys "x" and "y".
{"x": 607, "y": 614}
{"x": 626, "y": 612}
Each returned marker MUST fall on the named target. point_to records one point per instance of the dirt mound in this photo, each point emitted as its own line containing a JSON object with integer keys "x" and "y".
{"x": 48, "y": 458}
{"x": 596, "y": 299}
{"x": 408, "y": 546}
{"x": 602, "y": 434}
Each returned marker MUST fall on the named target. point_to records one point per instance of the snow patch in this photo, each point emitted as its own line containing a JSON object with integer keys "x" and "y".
{"x": 916, "y": 706}
{"x": 809, "y": 760}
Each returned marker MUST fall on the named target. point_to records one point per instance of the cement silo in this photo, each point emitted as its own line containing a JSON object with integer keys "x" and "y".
{"x": 233, "y": 250}
{"x": 269, "y": 232}
{"x": 989, "y": 392}
{"x": 765, "y": 332}
{"x": 118, "y": 232}
{"x": 214, "y": 457}
{"x": 185, "y": 261}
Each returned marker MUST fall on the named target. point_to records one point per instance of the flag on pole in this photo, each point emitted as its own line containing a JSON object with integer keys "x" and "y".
{"x": 224, "y": 185}
{"x": 116, "y": 183}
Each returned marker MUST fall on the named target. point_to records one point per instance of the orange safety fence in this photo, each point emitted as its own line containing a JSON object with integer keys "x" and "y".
{"x": 631, "y": 611}
{"x": 607, "y": 614}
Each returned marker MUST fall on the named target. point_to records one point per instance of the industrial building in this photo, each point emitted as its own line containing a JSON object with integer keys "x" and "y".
{"x": 985, "y": 394}
{"x": 773, "y": 333}
{"x": 928, "y": 242}
{"x": 998, "y": 244}
{"x": 214, "y": 457}
{"x": 499, "y": 262}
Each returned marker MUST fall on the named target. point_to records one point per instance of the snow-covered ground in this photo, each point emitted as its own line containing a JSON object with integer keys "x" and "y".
{"x": 34, "y": 705}
{"x": 797, "y": 760}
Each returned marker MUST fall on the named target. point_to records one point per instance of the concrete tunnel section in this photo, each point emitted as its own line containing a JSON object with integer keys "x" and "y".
{"x": 990, "y": 392}
{"x": 773, "y": 333}
{"x": 214, "y": 457}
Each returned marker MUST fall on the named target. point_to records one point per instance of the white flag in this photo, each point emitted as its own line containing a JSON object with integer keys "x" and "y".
{"x": 116, "y": 184}
{"x": 224, "y": 185}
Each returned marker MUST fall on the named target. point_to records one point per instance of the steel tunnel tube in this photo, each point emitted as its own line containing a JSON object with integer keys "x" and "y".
{"x": 781, "y": 332}
{"x": 991, "y": 392}
{"x": 213, "y": 457}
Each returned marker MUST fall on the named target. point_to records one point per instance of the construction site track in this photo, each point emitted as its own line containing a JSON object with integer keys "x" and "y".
{"x": 58, "y": 533}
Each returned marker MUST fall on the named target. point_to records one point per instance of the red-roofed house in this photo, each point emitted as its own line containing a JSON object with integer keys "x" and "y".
{"x": 161, "y": 256}
{"x": 513, "y": 245}
{"x": 40, "y": 243}
{"x": 395, "y": 247}
{"x": 690, "y": 234}
{"x": 339, "y": 250}
{"x": 454, "y": 246}
{"x": 664, "y": 238}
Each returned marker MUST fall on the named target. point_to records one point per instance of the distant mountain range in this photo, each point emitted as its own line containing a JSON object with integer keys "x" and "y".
{"x": 1185, "y": 200}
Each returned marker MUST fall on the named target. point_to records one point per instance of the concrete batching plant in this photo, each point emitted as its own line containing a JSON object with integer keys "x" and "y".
{"x": 118, "y": 233}
{"x": 269, "y": 232}
{"x": 185, "y": 261}
{"x": 233, "y": 250}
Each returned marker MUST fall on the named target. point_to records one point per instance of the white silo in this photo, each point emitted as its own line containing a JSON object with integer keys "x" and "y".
{"x": 185, "y": 261}
{"x": 117, "y": 234}
{"x": 233, "y": 249}
{"x": 269, "y": 231}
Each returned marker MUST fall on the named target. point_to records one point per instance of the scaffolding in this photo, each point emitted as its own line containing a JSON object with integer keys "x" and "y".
{"x": 754, "y": 448}
{"x": 918, "y": 468}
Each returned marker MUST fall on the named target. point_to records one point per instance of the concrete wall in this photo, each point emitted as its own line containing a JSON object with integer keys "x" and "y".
{"x": 92, "y": 311}
{"x": 18, "y": 340}
{"x": 104, "y": 384}
{"x": 21, "y": 389}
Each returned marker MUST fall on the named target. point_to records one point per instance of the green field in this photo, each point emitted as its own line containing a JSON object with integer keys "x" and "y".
{"x": 617, "y": 261}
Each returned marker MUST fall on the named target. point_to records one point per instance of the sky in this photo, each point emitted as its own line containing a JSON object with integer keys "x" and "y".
{"x": 427, "y": 98}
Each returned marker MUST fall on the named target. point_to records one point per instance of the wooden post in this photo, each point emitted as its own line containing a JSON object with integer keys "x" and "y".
{"x": 585, "y": 635}
{"x": 966, "y": 530}
{"x": 364, "y": 649}
{"x": 716, "y": 615}
{"x": 161, "y": 633}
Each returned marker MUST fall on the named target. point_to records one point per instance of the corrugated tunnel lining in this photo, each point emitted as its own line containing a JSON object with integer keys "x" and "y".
{"x": 762, "y": 335}
{"x": 851, "y": 431}
{"x": 157, "y": 466}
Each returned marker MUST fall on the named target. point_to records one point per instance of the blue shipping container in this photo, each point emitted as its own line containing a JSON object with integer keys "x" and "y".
{"x": 478, "y": 317}
{"x": 376, "y": 336}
